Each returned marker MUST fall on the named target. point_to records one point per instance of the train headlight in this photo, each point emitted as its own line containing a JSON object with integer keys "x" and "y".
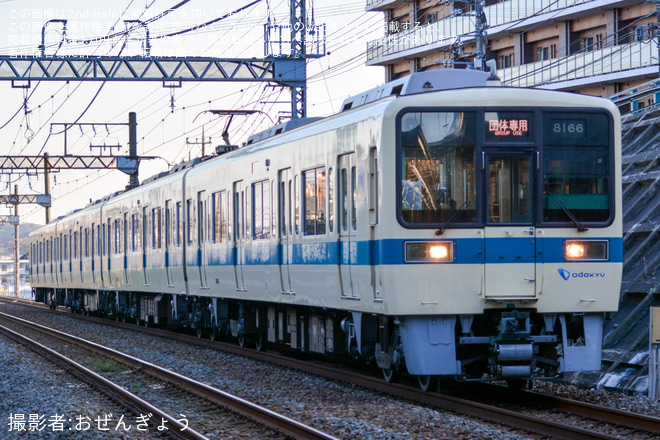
{"x": 430, "y": 252}
{"x": 586, "y": 250}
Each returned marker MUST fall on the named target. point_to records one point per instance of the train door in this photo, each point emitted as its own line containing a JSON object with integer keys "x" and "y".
{"x": 239, "y": 234}
{"x": 201, "y": 235}
{"x": 286, "y": 228}
{"x": 347, "y": 224}
{"x": 509, "y": 269}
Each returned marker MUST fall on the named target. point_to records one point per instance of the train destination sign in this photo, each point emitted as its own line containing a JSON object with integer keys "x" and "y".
{"x": 509, "y": 127}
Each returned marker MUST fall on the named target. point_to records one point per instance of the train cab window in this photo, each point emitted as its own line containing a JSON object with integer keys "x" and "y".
{"x": 314, "y": 201}
{"x": 437, "y": 180}
{"x": 577, "y": 174}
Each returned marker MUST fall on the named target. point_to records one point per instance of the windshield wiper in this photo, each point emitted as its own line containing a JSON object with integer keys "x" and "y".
{"x": 461, "y": 208}
{"x": 568, "y": 212}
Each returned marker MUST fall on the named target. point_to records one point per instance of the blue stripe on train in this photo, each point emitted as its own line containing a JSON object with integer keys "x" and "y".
{"x": 391, "y": 252}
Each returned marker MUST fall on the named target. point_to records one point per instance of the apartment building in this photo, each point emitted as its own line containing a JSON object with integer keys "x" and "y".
{"x": 595, "y": 47}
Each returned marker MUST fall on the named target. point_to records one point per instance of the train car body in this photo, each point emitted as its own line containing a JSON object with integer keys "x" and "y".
{"x": 437, "y": 225}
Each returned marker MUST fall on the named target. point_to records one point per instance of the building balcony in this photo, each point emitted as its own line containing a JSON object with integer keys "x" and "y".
{"x": 621, "y": 62}
{"x": 503, "y": 19}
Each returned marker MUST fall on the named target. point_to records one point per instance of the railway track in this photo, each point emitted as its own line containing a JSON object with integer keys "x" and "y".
{"x": 223, "y": 401}
{"x": 617, "y": 423}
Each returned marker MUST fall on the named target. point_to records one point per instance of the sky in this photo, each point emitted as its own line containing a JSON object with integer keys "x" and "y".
{"x": 171, "y": 121}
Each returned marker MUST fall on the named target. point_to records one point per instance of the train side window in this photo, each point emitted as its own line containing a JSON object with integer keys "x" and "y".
{"x": 314, "y": 201}
{"x": 74, "y": 245}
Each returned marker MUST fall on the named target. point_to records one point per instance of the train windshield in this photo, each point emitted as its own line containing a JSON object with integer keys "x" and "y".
{"x": 576, "y": 168}
{"x": 438, "y": 167}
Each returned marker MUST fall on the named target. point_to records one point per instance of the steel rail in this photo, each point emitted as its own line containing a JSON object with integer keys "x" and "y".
{"x": 128, "y": 398}
{"x": 252, "y": 411}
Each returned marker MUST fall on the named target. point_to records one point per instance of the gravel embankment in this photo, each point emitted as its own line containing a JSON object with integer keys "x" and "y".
{"x": 341, "y": 410}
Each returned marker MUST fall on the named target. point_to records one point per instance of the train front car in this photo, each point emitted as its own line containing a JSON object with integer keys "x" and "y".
{"x": 506, "y": 244}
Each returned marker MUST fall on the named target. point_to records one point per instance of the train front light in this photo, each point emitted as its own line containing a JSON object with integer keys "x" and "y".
{"x": 586, "y": 250}
{"x": 430, "y": 252}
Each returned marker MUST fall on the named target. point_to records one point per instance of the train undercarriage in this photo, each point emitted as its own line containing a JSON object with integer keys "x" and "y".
{"x": 511, "y": 344}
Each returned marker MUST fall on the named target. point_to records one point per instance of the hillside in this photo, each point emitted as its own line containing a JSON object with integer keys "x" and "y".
{"x": 7, "y": 238}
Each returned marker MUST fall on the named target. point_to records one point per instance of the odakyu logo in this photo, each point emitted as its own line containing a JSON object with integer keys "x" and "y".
{"x": 566, "y": 275}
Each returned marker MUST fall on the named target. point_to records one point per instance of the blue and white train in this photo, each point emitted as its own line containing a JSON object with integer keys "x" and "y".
{"x": 439, "y": 225}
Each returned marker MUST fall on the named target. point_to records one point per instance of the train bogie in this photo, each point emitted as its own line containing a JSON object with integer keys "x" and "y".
{"x": 473, "y": 233}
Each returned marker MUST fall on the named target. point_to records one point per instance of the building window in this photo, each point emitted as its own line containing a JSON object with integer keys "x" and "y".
{"x": 505, "y": 61}
{"x": 587, "y": 44}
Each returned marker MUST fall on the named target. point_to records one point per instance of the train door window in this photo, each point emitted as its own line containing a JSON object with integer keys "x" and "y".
{"x": 273, "y": 210}
{"x": 124, "y": 249}
{"x": 246, "y": 213}
{"x": 296, "y": 202}
{"x": 237, "y": 214}
{"x": 168, "y": 224}
{"x": 135, "y": 232}
{"x": 353, "y": 198}
{"x": 314, "y": 201}
{"x": 189, "y": 222}
{"x": 509, "y": 189}
{"x": 74, "y": 246}
{"x": 261, "y": 210}
{"x": 179, "y": 229}
{"x": 331, "y": 201}
{"x": 156, "y": 228}
{"x": 344, "y": 197}
{"x": 65, "y": 253}
{"x": 218, "y": 210}
{"x": 116, "y": 226}
{"x": 103, "y": 240}
{"x": 111, "y": 241}
{"x": 373, "y": 185}
{"x": 99, "y": 238}
{"x": 201, "y": 226}
{"x": 283, "y": 207}
{"x": 145, "y": 230}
